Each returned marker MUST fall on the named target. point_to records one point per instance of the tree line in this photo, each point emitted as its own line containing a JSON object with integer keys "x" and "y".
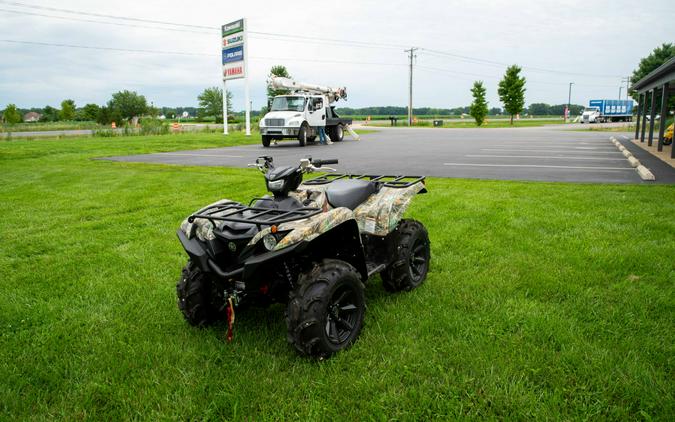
{"x": 129, "y": 105}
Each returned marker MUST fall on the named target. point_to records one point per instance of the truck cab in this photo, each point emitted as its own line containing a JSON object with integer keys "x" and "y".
{"x": 590, "y": 115}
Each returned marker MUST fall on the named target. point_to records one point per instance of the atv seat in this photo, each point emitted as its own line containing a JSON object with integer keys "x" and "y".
{"x": 350, "y": 193}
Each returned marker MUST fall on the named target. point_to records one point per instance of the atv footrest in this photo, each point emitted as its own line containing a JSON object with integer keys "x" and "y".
{"x": 386, "y": 180}
{"x": 374, "y": 268}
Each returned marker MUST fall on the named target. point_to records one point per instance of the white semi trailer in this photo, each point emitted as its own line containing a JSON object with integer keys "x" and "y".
{"x": 299, "y": 114}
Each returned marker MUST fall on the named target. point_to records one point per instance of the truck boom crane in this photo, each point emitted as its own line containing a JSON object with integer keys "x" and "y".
{"x": 333, "y": 94}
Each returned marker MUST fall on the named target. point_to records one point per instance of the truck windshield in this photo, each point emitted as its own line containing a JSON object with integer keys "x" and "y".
{"x": 592, "y": 109}
{"x": 288, "y": 104}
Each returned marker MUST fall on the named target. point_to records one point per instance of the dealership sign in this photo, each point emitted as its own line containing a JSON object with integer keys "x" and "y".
{"x": 234, "y": 50}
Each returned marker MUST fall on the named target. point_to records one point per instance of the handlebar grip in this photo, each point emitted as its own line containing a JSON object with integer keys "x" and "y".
{"x": 319, "y": 163}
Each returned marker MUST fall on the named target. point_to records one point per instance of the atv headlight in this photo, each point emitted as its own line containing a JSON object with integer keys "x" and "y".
{"x": 275, "y": 186}
{"x": 269, "y": 241}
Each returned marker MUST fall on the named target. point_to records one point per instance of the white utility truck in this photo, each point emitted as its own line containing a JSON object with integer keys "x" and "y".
{"x": 299, "y": 114}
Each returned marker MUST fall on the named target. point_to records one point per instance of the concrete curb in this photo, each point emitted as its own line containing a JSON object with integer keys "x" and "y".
{"x": 642, "y": 171}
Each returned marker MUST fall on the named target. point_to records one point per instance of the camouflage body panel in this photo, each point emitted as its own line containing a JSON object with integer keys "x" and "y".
{"x": 315, "y": 195}
{"x": 382, "y": 211}
{"x": 308, "y": 228}
{"x": 202, "y": 227}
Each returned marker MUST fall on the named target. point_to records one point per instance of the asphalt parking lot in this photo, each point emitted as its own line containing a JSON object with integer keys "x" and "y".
{"x": 538, "y": 154}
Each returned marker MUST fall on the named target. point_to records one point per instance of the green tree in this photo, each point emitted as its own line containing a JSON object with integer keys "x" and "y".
{"x": 656, "y": 58}
{"x": 127, "y": 105}
{"x": 89, "y": 112}
{"x": 49, "y": 114}
{"x": 539, "y": 109}
{"x": 11, "y": 115}
{"x": 211, "y": 103}
{"x": 512, "y": 91}
{"x": 281, "y": 71}
{"x": 67, "y": 110}
{"x": 479, "y": 108}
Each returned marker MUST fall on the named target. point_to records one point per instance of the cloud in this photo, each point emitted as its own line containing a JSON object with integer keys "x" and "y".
{"x": 547, "y": 34}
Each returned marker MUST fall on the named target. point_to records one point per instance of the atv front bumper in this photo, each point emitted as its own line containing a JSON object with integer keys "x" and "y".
{"x": 248, "y": 272}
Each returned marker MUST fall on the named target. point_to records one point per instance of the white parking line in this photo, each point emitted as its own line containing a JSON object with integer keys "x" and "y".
{"x": 565, "y": 147}
{"x": 543, "y": 156}
{"x": 547, "y": 150}
{"x": 175, "y": 154}
{"x": 539, "y": 166}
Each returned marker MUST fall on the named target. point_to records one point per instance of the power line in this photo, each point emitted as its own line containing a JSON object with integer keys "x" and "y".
{"x": 101, "y": 15}
{"x": 256, "y": 35}
{"x": 129, "y": 50}
{"x": 352, "y": 43}
{"x": 71, "y": 18}
{"x": 475, "y": 75}
{"x": 182, "y": 53}
{"x": 484, "y": 62}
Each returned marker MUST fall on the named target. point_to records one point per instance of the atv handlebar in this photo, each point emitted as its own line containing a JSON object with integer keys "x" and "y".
{"x": 319, "y": 163}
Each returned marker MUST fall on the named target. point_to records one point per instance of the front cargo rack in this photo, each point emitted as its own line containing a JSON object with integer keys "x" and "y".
{"x": 386, "y": 180}
{"x": 239, "y": 213}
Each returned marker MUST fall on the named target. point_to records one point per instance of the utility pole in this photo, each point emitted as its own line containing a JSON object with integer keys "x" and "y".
{"x": 569, "y": 101}
{"x": 620, "y": 89}
{"x": 627, "y": 80}
{"x": 410, "y": 101}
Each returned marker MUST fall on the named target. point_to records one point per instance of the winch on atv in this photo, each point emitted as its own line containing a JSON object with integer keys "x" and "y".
{"x": 311, "y": 245}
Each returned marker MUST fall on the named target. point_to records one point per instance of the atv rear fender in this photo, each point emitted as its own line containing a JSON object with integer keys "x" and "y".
{"x": 382, "y": 211}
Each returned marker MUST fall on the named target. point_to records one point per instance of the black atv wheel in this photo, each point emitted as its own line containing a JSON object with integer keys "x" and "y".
{"x": 412, "y": 254}
{"x": 198, "y": 298}
{"x": 311, "y": 139}
{"x": 266, "y": 140}
{"x": 302, "y": 135}
{"x": 326, "y": 308}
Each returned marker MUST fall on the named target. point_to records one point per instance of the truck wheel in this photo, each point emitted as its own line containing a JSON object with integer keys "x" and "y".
{"x": 326, "y": 308}
{"x": 266, "y": 140}
{"x": 338, "y": 133}
{"x": 412, "y": 255}
{"x": 302, "y": 135}
{"x": 198, "y": 298}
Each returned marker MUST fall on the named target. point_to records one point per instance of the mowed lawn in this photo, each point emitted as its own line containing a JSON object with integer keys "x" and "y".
{"x": 544, "y": 301}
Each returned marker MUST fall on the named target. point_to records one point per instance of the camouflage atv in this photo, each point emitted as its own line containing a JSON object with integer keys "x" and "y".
{"x": 311, "y": 245}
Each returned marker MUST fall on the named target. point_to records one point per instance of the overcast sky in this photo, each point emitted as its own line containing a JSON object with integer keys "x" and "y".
{"x": 592, "y": 43}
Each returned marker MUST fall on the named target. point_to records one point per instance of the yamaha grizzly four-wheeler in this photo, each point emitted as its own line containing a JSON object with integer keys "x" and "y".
{"x": 311, "y": 245}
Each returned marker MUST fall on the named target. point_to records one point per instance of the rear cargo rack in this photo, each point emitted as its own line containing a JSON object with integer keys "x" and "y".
{"x": 239, "y": 213}
{"x": 386, "y": 180}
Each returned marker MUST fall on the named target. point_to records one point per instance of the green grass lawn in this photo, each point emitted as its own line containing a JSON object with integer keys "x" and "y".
{"x": 544, "y": 301}
{"x": 45, "y": 126}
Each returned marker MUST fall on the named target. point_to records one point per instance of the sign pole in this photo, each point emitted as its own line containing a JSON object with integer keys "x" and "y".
{"x": 224, "y": 108}
{"x": 234, "y": 53}
{"x": 246, "y": 87}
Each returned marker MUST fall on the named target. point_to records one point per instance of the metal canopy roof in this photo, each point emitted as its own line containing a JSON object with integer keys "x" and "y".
{"x": 656, "y": 78}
